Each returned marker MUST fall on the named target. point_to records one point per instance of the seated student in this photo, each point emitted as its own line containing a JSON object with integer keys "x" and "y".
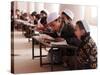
{"x": 37, "y": 18}
{"x": 33, "y": 18}
{"x": 62, "y": 31}
{"x": 54, "y": 22}
{"x": 43, "y": 15}
{"x": 63, "y": 27}
{"x": 24, "y": 16}
{"x": 67, "y": 32}
{"x": 42, "y": 23}
{"x": 87, "y": 52}
{"x": 17, "y": 14}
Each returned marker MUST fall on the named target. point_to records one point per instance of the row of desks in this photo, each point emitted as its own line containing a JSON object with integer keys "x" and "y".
{"x": 25, "y": 26}
{"x": 42, "y": 39}
{"x": 24, "y": 22}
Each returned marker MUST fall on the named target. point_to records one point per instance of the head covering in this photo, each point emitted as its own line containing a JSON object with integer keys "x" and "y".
{"x": 86, "y": 26}
{"x": 52, "y": 16}
{"x": 69, "y": 13}
{"x": 33, "y": 13}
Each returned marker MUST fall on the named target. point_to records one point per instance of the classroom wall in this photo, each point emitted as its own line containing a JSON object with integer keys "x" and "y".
{"x": 77, "y": 11}
{"x": 90, "y": 15}
{"x": 80, "y": 12}
{"x": 39, "y": 7}
{"x": 52, "y": 7}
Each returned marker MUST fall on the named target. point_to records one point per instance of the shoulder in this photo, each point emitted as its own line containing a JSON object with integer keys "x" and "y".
{"x": 91, "y": 42}
{"x": 90, "y": 45}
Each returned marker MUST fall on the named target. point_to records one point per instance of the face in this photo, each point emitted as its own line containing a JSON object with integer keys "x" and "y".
{"x": 78, "y": 32}
{"x": 55, "y": 25}
{"x": 64, "y": 18}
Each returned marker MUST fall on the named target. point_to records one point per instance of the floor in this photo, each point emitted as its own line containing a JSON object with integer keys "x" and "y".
{"x": 23, "y": 62}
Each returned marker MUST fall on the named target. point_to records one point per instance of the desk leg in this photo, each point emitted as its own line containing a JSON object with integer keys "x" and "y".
{"x": 52, "y": 63}
{"x": 32, "y": 48}
{"x": 40, "y": 54}
{"x": 75, "y": 60}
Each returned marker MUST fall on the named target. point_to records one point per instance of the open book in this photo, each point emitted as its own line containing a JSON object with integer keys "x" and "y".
{"x": 52, "y": 40}
{"x": 59, "y": 43}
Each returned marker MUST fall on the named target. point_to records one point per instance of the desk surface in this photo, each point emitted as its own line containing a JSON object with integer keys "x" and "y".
{"x": 24, "y": 22}
{"x": 43, "y": 39}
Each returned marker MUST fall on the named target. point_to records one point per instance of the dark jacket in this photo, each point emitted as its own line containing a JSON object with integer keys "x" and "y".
{"x": 67, "y": 31}
{"x": 43, "y": 20}
{"x": 68, "y": 34}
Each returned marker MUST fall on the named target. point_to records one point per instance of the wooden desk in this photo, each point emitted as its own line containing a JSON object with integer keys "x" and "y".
{"x": 25, "y": 26}
{"x": 41, "y": 42}
{"x": 24, "y": 22}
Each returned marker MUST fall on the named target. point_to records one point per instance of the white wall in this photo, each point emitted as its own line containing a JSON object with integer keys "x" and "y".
{"x": 39, "y": 7}
{"x": 22, "y": 6}
{"x": 32, "y": 7}
{"x": 52, "y": 7}
{"x": 91, "y": 14}
{"x": 76, "y": 9}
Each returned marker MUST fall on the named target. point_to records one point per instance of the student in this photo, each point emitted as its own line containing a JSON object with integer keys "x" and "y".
{"x": 42, "y": 23}
{"x": 34, "y": 19}
{"x": 63, "y": 31}
{"x": 63, "y": 27}
{"x": 17, "y": 14}
{"x": 68, "y": 33}
{"x": 87, "y": 52}
{"x": 24, "y": 16}
{"x": 43, "y": 16}
{"x": 54, "y": 22}
{"x": 68, "y": 28}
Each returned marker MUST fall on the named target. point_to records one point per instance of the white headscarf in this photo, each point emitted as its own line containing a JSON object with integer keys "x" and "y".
{"x": 69, "y": 13}
{"x": 86, "y": 26}
{"x": 52, "y": 16}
